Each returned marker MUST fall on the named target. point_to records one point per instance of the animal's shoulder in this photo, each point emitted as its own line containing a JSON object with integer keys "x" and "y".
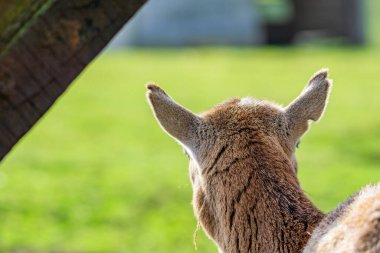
{"x": 354, "y": 226}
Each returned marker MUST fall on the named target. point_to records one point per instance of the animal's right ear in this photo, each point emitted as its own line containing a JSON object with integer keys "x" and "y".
{"x": 310, "y": 105}
{"x": 176, "y": 120}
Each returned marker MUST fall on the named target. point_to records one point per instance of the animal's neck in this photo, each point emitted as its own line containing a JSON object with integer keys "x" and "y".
{"x": 263, "y": 209}
{"x": 283, "y": 217}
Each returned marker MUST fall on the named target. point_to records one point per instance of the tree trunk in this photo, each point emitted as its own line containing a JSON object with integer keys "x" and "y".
{"x": 44, "y": 45}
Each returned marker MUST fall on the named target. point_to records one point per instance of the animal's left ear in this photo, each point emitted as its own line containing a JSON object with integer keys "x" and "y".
{"x": 310, "y": 105}
{"x": 179, "y": 122}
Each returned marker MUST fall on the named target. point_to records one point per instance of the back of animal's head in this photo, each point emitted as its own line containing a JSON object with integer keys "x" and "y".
{"x": 200, "y": 134}
{"x": 240, "y": 129}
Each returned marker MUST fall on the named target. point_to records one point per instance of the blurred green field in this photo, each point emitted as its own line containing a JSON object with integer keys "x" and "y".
{"x": 97, "y": 174}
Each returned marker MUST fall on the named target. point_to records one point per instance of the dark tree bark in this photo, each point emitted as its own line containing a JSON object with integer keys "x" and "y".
{"x": 43, "y": 48}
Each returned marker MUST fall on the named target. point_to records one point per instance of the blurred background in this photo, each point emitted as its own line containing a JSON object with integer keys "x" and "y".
{"x": 97, "y": 174}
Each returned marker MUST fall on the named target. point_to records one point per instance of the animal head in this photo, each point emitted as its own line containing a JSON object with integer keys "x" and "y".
{"x": 200, "y": 134}
{"x": 237, "y": 146}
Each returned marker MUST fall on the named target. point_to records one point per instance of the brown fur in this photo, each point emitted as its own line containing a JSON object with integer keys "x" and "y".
{"x": 243, "y": 169}
{"x": 354, "y": 226}
{"x": 246, "y": 193}
{"x": 249, "y": 184}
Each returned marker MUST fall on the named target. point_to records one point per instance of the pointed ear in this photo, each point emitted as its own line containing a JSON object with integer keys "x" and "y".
{"x": 176, "y": 120}
{"x": 310, "y": 105}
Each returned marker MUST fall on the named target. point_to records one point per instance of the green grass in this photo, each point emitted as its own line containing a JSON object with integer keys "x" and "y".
{"x": 97, "y": 174}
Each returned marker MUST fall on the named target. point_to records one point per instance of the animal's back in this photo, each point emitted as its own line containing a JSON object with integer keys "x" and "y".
{"x": 354, "y": 226}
